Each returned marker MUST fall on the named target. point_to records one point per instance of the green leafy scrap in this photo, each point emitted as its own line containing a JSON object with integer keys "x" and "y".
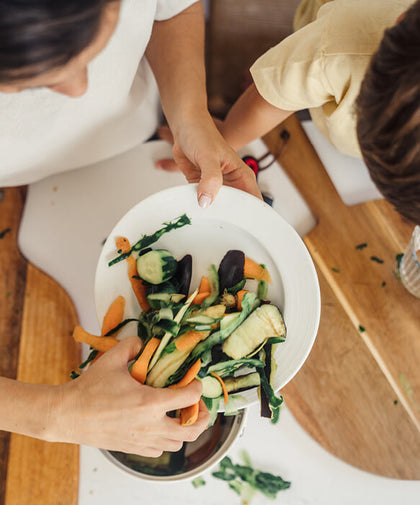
{"x": 198, "y": 482}
{"x": 375, "y": 258}
{"x": 245, "y": 478}
{"x": 4, "y": 232}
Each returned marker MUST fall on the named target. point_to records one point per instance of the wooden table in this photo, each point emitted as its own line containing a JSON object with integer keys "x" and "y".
{"x": 36, "y": 321}
{"x": 358, "y": 392}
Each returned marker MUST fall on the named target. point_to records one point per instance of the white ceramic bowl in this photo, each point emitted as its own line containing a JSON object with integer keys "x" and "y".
{"x": 235, "y": 220}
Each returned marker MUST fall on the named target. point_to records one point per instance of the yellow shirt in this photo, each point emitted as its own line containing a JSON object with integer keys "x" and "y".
{"x": 321, "y": 66}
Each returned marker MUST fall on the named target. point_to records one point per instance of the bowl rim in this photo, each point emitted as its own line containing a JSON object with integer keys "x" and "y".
{"x": 235, "y": 433}
{"x": 285, "y": 248}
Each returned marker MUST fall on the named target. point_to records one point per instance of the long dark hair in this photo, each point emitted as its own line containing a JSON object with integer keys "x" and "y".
{"x": 388, "y": 115}
{"x": 38, "y": 35}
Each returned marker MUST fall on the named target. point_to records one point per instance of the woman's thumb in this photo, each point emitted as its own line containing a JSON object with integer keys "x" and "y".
{"x": 210, "y": 182}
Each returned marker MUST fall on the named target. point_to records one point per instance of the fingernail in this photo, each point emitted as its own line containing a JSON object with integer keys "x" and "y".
{"x": 158, "y": 164}
{"x": 204, "y": 201}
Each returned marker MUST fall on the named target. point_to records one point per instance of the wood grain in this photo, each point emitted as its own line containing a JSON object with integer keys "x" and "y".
{"x": 12, "y": 289}
{"x": 382, "y": 314}
{"x": 344, "y": 401}
{"x": 39, "y": 473}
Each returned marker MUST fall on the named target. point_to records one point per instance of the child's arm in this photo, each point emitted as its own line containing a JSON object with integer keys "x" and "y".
{"x": 176, "y": 55}
{"x": 250, "y": 118}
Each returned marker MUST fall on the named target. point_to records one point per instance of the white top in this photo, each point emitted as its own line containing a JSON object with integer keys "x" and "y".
{"x": 42, "y": 132}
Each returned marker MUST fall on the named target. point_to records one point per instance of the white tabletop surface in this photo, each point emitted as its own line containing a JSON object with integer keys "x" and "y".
{"x": 74, "y": 212}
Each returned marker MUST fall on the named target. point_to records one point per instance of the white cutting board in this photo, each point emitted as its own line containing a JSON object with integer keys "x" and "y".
{"x": 66, "y": 219}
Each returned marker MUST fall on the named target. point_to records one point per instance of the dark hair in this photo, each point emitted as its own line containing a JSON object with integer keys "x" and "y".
{"x": 388, "y": 115}
{"x": 38, "y": 35}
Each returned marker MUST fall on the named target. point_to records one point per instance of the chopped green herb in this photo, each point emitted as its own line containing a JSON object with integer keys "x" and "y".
{"x": 245, "y": 480}
{"x": 396, "y": 272}
{"x": 198, "y": 482}
{"x": 383, "y": 284}
{"x": 74, "y": 375}
{"x": 375, "y": 258}
{"x": 9, "y": 294}
{"x": 395, "y": 402}
{"x": 361, "y": 328}
{"x": 398, "y": 258}
{"x": 361, "y": 246}
{"x": 3, "y": 233}
{"x": 336, "y": 270}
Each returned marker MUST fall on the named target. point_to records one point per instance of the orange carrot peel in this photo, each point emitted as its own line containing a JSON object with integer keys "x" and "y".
{"x": 102, "y": 344}
{"x": 189, "y": 414}
{"x": 239, "y": 297}
{"x": 137, "y": 285}
{"x": 189, "y": 376}
{"x": 139, "y": 369}
{"x": 252, "y": 270}
{"x": 189, "y": 340}
{"x": 114, "y": 315}
{"x": 225, "y": 391}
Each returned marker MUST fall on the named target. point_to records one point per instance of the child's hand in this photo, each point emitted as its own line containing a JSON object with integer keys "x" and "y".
{"x": 106, "y": 408}
{"x": 203, "y": 156}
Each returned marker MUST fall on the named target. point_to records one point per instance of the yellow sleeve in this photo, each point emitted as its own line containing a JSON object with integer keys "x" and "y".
{"x": 291, "y": 75}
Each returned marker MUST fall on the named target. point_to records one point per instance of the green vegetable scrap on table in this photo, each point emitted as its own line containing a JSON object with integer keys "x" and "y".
{"x": 246, "y": 480}
{"x": 361, "y": 246}
{"x": 375, "y": 258}
{"x": 396, "y": 271}
{"x": 4, "y": 232}
{"x": 198, "y": 482}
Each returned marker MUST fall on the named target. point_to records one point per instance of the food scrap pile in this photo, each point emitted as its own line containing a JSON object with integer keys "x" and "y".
{"x": 223, "y": 333}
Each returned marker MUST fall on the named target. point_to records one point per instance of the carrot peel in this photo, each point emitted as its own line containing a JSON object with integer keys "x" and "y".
{"x": 189, "y": 414}
{"x": 101, "y": 344}
{"x": 252, "y": 270}
{"x": 225, "y": 392}
{"x": 239, "y": 297}
{"x": 139, "y": 369}
{"x": 189, "y": 340}
{"x": 189, "y": 376}
{"x": 198, "y": 300}
{"x": 137, "y": 285}
{"x": 114, "y": 315}
{"x": 204, "y": 286}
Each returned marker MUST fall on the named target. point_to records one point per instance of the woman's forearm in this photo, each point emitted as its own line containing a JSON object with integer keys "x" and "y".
{"x": 176, "y": 54}
{"x": 27, "y": 409}
{"x": 250, "y": 118}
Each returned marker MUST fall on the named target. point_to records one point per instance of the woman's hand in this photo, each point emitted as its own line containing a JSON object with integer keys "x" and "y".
{"x": 203, "y": 156}
{"x": 106, "y": 408}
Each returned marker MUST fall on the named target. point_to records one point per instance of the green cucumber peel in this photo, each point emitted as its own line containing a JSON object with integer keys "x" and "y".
{"x": 147, "y": 240}
{"x": 228, "y": 367}
{"x": 119, "y": 326}
{"x": 249, "y": 303}
{"x": 213, "y": 278}
{"x": 168, "y": 336}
